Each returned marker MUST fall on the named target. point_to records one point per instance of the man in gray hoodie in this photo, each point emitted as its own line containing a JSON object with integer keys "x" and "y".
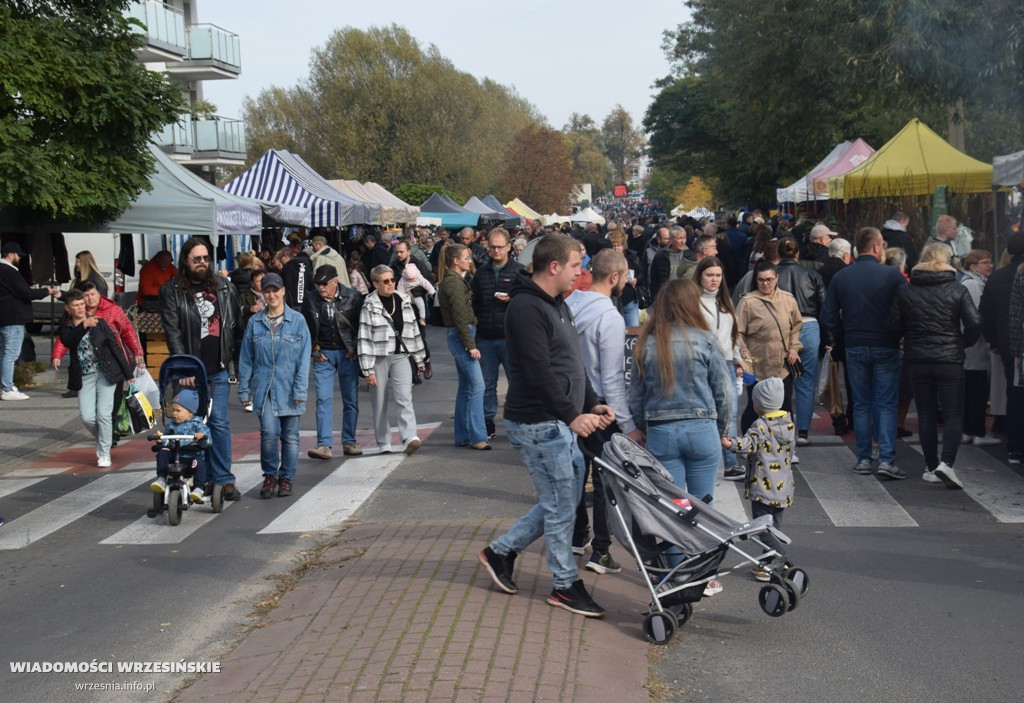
{"x": 602, "y": 335}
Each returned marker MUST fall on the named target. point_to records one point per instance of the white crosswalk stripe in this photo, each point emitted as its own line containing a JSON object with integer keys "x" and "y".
{"x": 337, "y": 497}
{"x": 13, "y": 485}
{"x": 988, "y": 481}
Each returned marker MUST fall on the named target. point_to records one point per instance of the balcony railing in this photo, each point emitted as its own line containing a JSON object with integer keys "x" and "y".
{"x": 209, "y": 136}
{"x": 211, "y": 43}
{"x": 165, "y": 25}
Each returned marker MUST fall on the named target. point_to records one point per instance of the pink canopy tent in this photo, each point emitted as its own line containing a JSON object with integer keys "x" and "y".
{"x": 857, "y": 153}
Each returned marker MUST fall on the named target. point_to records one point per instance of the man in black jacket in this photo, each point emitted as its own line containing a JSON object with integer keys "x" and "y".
{"x": 996, "y": 316}
{"x": 200, "y": 312}
{"x": 469, "y": 237}
{"x": 333, "y": 320}
{"x": 15, "y": 312}
{"x": 549, "y": 402}
{"x": 298, "y": 279}
{"x": 490, "y": 287}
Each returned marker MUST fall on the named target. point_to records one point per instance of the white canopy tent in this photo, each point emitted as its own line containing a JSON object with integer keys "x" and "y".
{"x": 588, "y": 215}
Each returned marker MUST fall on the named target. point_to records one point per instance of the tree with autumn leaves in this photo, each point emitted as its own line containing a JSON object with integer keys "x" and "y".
{"x": 539, "y": 170}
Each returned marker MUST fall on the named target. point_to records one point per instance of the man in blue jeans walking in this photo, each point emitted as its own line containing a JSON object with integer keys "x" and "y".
{"x": 491, "y": 285}
{"x": 545, "y": 410}
{"x": 333, "y": 320}
{"x": 856, "y": 309}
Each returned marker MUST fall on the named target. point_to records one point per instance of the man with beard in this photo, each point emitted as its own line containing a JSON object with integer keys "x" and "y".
{"x": 200, "y": 312}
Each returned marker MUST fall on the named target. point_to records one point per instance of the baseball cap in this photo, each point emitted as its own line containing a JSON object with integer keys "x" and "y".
{"x": 272, "y": 280}
{"x": 819, "y": 231}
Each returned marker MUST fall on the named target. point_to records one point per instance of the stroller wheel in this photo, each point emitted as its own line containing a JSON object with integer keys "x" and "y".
{"x": 682, "y": 613}
{"x": 217, "y": 499}
{"x": 774, "y": 600}
{"x": 174, "y": 506}
{"x": 794, "y": 594}
{"x": 660, "y": 627}
{"x": 799, "y": 578}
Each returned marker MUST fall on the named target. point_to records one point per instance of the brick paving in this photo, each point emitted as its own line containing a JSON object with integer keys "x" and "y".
{"x": 405, "y": 612}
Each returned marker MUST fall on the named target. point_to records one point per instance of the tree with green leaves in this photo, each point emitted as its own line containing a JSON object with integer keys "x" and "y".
{"x": 379, "y": 106}
{"x": 622, "y": 142}
{"x": 76, "y": 110}
{"x": 418, "y": 193}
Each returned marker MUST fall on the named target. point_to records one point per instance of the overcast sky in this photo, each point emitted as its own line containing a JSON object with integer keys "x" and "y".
{"x": 564, "y": 56}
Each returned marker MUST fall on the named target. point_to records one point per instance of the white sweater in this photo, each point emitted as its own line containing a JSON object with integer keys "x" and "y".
{"x": 721, "y": 323}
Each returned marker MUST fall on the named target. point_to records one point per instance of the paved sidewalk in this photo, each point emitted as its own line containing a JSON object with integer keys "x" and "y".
{"x": 405, "y": 612}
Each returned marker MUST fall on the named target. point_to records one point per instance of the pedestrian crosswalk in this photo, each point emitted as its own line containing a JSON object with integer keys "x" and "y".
{"x": 846, "y": 499}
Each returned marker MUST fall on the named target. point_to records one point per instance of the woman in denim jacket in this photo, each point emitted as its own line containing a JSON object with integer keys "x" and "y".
{"x": 273, "y": 373}
{"x": 681, "y": 393}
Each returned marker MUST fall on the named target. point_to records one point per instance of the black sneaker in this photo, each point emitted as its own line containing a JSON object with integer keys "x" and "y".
{"x": 490, "y": 428}
{"x": 575, "y": 599}
{"x": 735, "y": 473}
{"x": 498, "y": 567}
{"x": 801, "y": 438}
{"x": 603, "y": 563}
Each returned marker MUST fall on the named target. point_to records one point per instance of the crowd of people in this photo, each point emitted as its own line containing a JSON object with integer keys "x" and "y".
{"x": 746, "y": 305}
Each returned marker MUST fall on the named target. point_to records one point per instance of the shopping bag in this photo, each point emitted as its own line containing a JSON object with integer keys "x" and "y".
{"x": 122, "y": 418}
{"x": 824, "y": 374}
{"x": 140, "y": 411}
{"x": 144, "y": 382}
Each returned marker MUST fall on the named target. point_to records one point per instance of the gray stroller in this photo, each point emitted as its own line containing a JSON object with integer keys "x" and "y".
{"x": 649, "y": 515}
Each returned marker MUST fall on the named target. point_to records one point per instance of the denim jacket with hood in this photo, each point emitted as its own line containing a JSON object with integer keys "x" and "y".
{"x": 703, "y": 384}
{"x": 275, "y": 368}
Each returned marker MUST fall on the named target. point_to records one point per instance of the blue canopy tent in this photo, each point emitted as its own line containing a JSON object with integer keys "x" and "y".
{"x": 501, "y": 215}
{"x": 449, "y": 212}
{"x": 511, "y": 219}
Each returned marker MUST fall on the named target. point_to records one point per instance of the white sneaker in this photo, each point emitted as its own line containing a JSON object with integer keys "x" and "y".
{"x": 986, "y": 441}
{"x": 103, "y": 461}
{"x": 930, "y": 477}
{"x": 967, "y": 439}
{"x": 412, "y": 445}
{"x": 247, "y": 407}
{"x": 948, "y": 476}
{"x": 796, "y": 459}
{"x": 159, "y": 485}
{"x": 196, "y": 494}
{"x": 13, "y": 394}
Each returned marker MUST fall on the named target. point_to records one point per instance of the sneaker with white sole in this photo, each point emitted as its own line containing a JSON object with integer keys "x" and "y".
{"x": 986, "y": 441}
{"x": 795, "y": 459}
{"x": 197, "y": 495}
{"x": 159, "y": 485}
{"x": 801, "y": 438}
{"x": 103, "y": 461}
{"x": 579, "y": 550}
{"x": 862, "y": 467}
{"x": 576, "y": 599}
{"x": 13, "y": 394}
{"x": 948, "y": 476}
{"x": 929, "y": 477}
{"x": 713, "y": 587}
{"x": 603, "y": 563}
{"x": 967, "y": 439}
{"x": 762, "y": 574}
{"x": 412, "y": 445}
{"x": 735, "y": 473}
{"x": 890, "y": 471}
{"x": 320, "y": 451}
{"x": 1015, "y": 458}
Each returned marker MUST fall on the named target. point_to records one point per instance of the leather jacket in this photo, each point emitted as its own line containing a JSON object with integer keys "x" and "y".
{"x": 182, "y": 324}
{"x": 936, "y": 318}
{"x": 803, "y": 284}
{"x": 348, "y": 302}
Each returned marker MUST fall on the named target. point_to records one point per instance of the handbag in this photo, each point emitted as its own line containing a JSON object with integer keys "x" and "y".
{"x": 417, "y": 379}
{"x": 796, "y": 369}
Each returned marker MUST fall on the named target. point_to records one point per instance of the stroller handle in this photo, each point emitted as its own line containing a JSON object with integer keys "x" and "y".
{"x": 172, "y": 437}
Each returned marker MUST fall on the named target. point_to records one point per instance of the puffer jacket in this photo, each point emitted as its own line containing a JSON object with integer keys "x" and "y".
{"x": 935, "y": 316}
{"x": 490, "y": 312}
{"x": 182, "y": 324}
{"x": 803, "y": 284}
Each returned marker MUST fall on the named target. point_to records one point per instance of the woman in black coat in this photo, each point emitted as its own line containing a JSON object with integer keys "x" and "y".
{"x": 938, "y": 321}
{"x": 96, "y": 355}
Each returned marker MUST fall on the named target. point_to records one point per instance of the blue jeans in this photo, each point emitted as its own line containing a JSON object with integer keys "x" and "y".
{"x": 278, "y": 461}
{"x": 556, "y": 466}
{"x": 493, "y": 352}
{"x": 690, "y": 451}
{"x": 728, "y": 455}
{"x": 469, "y": 399}
{"x": 96, "y": 408}
{"x": 11, "y": 338}
{"x": 805, "y": 386}
{"x": 347, "y": 371}
{"x": 631, "y": 311}
{"x": 218, "y": 456}
{"x": 875, "y": 379}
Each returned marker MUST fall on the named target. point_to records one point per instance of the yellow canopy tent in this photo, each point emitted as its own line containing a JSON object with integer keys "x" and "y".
{"x": 914, "y": 162}
{"x": 523, "y": 210}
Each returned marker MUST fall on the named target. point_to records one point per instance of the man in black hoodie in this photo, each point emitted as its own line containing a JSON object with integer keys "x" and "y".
{"x": 545, "y": 408}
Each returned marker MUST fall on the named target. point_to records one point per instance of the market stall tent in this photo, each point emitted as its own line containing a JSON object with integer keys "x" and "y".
{"x": 489, "y": 212}
{"x": 404, "y": 211}
{"x": 588, "y": 215}
{"x": 281, "y": 177}
{"x": 798, "y": 191}
{"x": 448, "y": 211}
{"x": 1008, "y": 170}
{"x": 853, "y": 156}
{"x": 511, "y": 218}
{"x": 355, "y": 190}
{"x": 522, "y": 209}
{"x": 914, "y": 162}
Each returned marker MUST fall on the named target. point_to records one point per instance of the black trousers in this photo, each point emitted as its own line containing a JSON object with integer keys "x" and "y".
{"x": 932, "y": 383}
{"x": 602, "y": 538}
{"x": 975, "y": 402}
{"x": 749, "y": 414}
{"x": 757, "y": 509}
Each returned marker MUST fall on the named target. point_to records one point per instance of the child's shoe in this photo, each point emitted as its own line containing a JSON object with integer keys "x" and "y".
{"x": 762, "y": 574}
{"x": 159, "y": 485}
{"x": 197, "y": 495}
